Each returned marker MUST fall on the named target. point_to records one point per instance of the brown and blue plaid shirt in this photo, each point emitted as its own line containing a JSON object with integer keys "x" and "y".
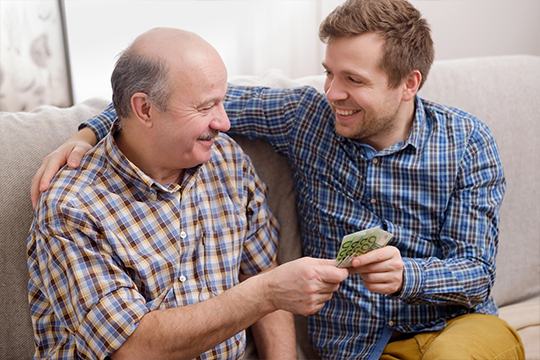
{"x": 109, "y": 244}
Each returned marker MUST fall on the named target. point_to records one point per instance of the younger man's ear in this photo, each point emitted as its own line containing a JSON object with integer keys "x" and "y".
{"x": 141, "y": 108}
{"x": 411, "y": 85}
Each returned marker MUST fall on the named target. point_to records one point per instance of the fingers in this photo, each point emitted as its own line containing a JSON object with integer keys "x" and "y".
{"x": 75, "y": 156}
{"x": 381, "y": 270}
{"x": 72, "y": 153}
{"x": 389, "y": 284}
{"x": 331, "y": 274}
{"x": 35, "y": 186}
{"x": 42, "y": 178}
{"x": 304, "y": 285}
{"x": 376, "y": 256}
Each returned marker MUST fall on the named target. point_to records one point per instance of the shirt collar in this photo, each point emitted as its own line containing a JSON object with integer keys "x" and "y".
{"x": 415, "y": 139}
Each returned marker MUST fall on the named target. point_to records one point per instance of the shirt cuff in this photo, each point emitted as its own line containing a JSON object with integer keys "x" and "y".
{"x": 414, "y": 279}
{"x": 101, "y": 124}
{"x": 110, "y": 322}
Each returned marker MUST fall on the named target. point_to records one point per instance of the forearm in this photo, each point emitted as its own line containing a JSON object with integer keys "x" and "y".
{"x": 265, "y": 113}
{"x": 301, "y": 286}
{"x": 464, "y": 281}
{"x": 101, "y": 124}
{"x": 85, "y": 134}
{"x": 185, "y": 332}
{"x": 275, "y": 336}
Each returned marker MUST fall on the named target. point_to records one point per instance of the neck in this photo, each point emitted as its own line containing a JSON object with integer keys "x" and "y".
{"x": 400, "y": 129}
{"x": 139, "y": 149}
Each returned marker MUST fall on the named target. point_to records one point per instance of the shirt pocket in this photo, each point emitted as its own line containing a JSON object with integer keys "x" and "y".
{"x": 222, "y": 248}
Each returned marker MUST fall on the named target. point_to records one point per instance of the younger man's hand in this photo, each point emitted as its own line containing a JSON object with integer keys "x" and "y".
{"x": 381, "y": 270}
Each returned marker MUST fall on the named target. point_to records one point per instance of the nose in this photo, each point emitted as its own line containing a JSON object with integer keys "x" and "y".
{"x": 221, "y": 120}
{"x": 334, "y": 90}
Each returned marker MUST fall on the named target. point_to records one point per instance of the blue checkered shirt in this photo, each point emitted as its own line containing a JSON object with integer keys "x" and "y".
{"x": 439, "y": 193}
{"x": 109, "y": 244}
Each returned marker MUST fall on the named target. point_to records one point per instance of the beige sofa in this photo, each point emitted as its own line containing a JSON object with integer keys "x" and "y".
{"x": 502, "y": 91}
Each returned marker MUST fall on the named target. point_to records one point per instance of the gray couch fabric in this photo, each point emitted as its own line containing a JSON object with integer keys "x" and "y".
{"x": 504, "y": 92}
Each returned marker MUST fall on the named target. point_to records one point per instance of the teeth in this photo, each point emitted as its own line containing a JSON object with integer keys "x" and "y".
{"x": 346, "y": 112}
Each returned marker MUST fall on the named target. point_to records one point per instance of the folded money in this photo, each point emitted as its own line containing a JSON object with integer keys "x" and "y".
{"x": 359, "y": 243}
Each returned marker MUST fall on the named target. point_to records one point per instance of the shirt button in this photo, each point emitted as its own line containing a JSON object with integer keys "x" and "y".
{"x": 183, "y": 234}
{"x": 373, "y": 201}
{"x": 375, "y": 160}
{"x": 182, "y": 278}
{"x": 390, "y": 323}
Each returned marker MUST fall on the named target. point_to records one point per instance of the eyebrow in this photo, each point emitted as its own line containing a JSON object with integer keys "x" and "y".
{"x": 349, "y": 73}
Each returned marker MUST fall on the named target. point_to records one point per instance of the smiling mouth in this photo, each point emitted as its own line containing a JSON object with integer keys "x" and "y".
{"x": 346, "y": 112}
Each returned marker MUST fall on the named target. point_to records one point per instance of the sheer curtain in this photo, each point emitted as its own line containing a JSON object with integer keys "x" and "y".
{"x": 254, "y": 36}
{"x": 251, "y": 36}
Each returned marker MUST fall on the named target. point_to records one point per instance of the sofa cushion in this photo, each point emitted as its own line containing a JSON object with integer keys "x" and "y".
{"x": 504, "y": 93}
{"x": 25, "y": 138}
{"x": 525, "y": 318}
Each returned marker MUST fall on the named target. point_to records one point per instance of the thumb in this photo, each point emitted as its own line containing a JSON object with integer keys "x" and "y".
{"x": 76, "y": 155}
{"x": 331, "y": 274}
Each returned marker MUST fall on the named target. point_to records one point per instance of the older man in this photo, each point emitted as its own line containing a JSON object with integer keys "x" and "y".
{"x": 142, "y": 252}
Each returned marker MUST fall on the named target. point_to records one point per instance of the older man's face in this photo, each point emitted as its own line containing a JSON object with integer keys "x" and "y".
{"x": 195, "y": 116}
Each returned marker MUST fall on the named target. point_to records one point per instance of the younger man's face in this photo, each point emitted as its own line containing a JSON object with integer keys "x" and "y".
{"x": 365, "y": 107}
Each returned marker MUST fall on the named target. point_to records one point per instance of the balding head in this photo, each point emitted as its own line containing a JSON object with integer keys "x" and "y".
{"x": 156, "y": 61}
{"x": 167, "y": 42}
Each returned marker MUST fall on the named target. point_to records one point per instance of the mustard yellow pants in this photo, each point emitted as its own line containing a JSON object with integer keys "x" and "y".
{"x": 471, "y": 336}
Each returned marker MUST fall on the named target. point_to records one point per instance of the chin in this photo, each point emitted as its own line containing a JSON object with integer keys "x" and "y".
{"x": 345, "y": 132}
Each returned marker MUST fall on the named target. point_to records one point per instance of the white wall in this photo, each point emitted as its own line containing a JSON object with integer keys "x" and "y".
{"x": 256, "y": 35}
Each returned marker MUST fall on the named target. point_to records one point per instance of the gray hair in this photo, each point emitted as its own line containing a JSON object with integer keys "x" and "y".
{"x": 135, "y": 73}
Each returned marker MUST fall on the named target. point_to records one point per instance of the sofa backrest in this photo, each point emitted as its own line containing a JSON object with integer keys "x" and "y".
{"x": 25, "y": 139}
{"x": 503, "y": 92}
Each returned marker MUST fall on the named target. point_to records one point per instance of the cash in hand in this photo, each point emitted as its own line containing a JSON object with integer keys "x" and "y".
{"x": 359, "y": 243}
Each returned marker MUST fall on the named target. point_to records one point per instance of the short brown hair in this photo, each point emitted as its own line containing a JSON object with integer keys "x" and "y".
{"x": 408, "y": 44}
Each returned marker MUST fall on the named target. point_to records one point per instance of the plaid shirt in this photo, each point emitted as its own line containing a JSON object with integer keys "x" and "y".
{"x": 109, "y": 244}
{"x": 439, "y": 193}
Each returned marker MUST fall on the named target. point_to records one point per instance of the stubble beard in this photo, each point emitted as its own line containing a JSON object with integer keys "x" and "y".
{"x": 371, "y": 125}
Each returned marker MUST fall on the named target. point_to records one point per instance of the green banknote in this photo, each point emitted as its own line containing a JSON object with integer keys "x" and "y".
{"x": 359, "y": 243}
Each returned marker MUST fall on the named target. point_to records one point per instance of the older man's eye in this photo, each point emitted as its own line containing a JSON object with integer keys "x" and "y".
{"x": 206, "y": 107}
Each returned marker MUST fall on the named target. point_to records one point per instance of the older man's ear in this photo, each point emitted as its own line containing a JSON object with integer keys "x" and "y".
{"x": 141, "y": 105}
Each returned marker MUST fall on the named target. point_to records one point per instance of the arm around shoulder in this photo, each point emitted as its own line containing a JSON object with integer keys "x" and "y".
{"x": 71, "y": 152}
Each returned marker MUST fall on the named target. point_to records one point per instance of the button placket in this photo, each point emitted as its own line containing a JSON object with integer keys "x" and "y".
{"x": 374, "y": 161}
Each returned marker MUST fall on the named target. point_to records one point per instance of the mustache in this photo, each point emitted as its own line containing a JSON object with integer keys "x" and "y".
{"x": 209, "y": 135}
